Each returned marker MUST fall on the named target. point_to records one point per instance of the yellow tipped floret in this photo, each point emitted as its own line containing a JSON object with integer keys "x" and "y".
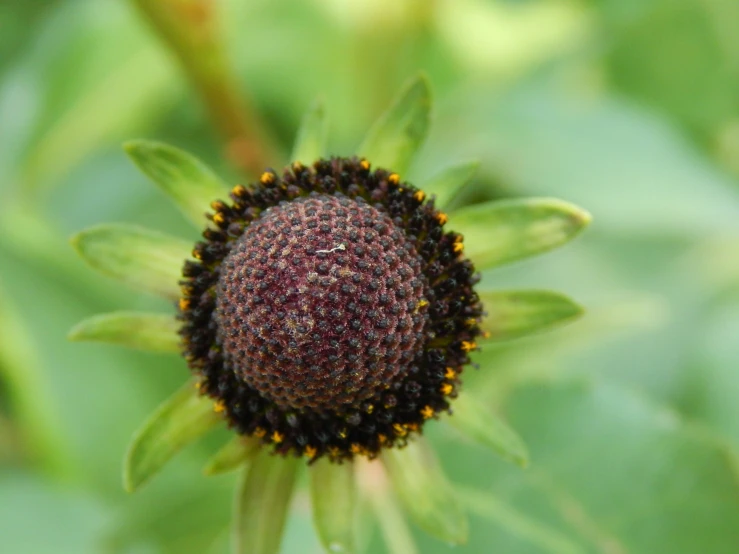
{"x": 267, "y": 178}
{"x": 468, "y": 346}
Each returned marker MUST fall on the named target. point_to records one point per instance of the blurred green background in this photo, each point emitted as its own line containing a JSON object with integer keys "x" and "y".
{"x": 629, "y": 108}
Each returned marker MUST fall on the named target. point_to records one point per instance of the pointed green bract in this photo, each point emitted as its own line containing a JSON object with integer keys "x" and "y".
{"x": 393, "y": 525}
{"x": 394, "y": 139}
{"x": 310, "y": 143}
{"x": 262, "y": 503}
{"x": 190, "y": 183}
{"x": 482, "y": 425}
{"x": 425, "y": 492}
{"x": 233, "y": 455}
{"x": 502, "y": 231}
{"x": 334, "y": 498}
{"x": 140, "y": 330}
{"x": 182, "y": 419}
{"x": 512, "y": 314}
{"x": 142, "y": 258}
{"x": 445, "y": 184}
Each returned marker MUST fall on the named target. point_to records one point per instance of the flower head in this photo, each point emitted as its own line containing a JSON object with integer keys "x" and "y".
{"x": 327, "y": 314}
{"x": 327, "y": 310}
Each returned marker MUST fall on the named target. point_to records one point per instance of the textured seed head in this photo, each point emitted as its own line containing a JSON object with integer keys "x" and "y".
{"x": 318, "y": 303}
{"x": 327, "y": 311}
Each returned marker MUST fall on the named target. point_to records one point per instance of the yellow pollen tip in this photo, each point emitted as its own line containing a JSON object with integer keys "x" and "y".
{"x": 333, "y": 451}
{"x": 382, "y": 438}
{"x": 219, "y": 407}
{"x": 458, "y": 247}
{"x": 259, "y": 432}
{"x": 419, "y": 196}
{"x": 184, "y": 304}
{"x": 423, "y": 303}
{"x": 310, "y": 451}
{"x": 297, "y": 166}
{"x": 370, "y": 408}
{"x": 342, "y": 433}
{"x": 218, "y": 218}
{"x": 217, "y": 205}
{"x": 471, "y": 322}
{"x": 441, "y": 218}
{"x": 446, "y": 388}
{"x": 393, "y": 179}
{"x": 239, "y": 190}
{"x": 400, "y": 430}
{"x": 450, "y": 373}
{"x": 196, "y": 255}
{"x": 468, "y": 346}
{"x": 364, "y": 164}
{"x": 412, "y": 426}
{"x": 267, "y": 178}
{"x": 355, "y": 448}
{"x": 427, "y": 412}
{"x": 277, "y": 437}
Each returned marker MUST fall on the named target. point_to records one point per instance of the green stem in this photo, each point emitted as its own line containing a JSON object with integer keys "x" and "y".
{"x": 190, "y": 29}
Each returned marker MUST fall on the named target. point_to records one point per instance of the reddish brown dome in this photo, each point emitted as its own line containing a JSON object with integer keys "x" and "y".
{"x": 319, "y": 303}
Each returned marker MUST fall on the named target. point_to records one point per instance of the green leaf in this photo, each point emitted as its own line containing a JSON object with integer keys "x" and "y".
{"x": 262, "y": 503}
{"x": 540, "y": 535}
{"x": 233, "y": 455}
{"x": 144, "y": 331}
{"x": 516, "y": 313}
{"x": 425, "y": 492}
{"x": 182, "y": 419}
{"x": 394, "y": 139}
{"x": 611, "y": 472}
{"x": 190, "y": 183}
{"x": 310, "y": 143}
{"x": 482, "y": 425}
{"x": 334, "y": 499}
{"x": 145, "y": 259}
{"x": 502, "y": 231}
{"x": 448, "y": 182}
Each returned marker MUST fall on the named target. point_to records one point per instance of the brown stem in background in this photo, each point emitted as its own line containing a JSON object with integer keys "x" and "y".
{"x": 189, "y": 28}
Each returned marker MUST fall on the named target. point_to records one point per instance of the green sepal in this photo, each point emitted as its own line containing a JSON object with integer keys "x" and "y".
{"x": 516, "y": 313}
{"x": 503, "y": 231}
{"x": 445, "y": 184}
{"x": 189, "y": 183}
{"x": 425, "y": 492}
{"x": 479, "y": 423}
{"x": 180, "y": 420}
{"x": 394, "y": 139}
{"x": 140, "y": 330}
{"x": 262, "y": 503}
{"x": 234, "y": 454}
{"x": 334, "y": 499}
{"x": 140, "y": 257}
{"x": 310, "y": 142}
